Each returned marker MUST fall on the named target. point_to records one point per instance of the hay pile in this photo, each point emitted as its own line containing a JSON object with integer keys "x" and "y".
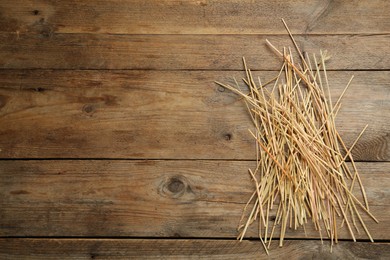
{"x": 301, "y": 174}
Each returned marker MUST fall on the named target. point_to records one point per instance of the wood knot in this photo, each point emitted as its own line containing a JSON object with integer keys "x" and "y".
{"x": 36, "y": 12}
{"x": 88, "y": 108}
{"x": 221, "y": 89}
{"x": 227, "y": 137}
{"x": 174, "y": 187}
{"x": 40, "y": 89}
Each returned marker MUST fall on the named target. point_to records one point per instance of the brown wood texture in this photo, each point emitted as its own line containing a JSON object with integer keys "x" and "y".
{"x": 144, "y": 156}
{"x": 183, "y": 249}
{"x": 199, "y": 17}
{"x": 148, "y": 198}
{"x": 184, "y": 52}
{"x": 161, "y": 114}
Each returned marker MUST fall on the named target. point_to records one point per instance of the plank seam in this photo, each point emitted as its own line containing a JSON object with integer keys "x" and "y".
{"x": 124, "y": 159}
{"x": 180, "y": 238}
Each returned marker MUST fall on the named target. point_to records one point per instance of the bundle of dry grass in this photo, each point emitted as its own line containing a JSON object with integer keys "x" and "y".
{"x": 301, "y": 172}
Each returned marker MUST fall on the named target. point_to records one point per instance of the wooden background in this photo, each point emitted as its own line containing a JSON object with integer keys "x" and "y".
{"x": 116, "y": 143}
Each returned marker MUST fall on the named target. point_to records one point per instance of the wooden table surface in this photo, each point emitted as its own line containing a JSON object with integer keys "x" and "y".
{"x": 115, "y": 142}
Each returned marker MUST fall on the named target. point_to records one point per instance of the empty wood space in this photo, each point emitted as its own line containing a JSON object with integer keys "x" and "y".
{"x": 115, "y": 142}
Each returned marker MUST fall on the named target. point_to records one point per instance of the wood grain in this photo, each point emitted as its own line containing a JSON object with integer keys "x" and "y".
{"x": 183, "y": 249}
{"x": 115, "y": 198}
{"x": 195, "y": 17}
{"x": 162, "y": 114}
{"x": 183, "y": 52}
{"x": 133, "y": 79}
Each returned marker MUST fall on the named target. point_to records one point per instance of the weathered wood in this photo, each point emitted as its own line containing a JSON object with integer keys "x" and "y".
{"x": 174, "y": 113}
{"x": 11, "y": 248}
{"x": 162, "y": 114}
{"x": 148, "y": 198}
{"x": 168, "y": 52}
{"x": 200, "y": 17}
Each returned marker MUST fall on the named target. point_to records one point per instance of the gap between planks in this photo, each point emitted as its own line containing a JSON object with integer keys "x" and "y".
{"x": 189, "y": 249}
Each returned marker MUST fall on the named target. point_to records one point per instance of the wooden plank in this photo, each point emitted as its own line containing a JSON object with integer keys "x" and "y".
{"x": 160, "y": 114}
{"x": 32, "y": 248}
{"x": 148, "y": 198}
{"x": 188, "y": 52}
{"x": 199, "y": 17}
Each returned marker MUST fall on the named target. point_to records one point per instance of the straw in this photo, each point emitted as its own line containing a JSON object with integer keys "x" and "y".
{"x": 300, "y": 156}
